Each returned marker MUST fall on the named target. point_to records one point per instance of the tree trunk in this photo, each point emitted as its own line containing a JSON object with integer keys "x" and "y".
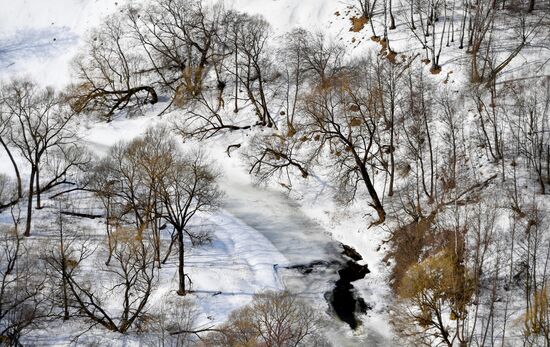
{"x": 392, "y": 149}
{"x": 236, "y": 110}
{"x": 376, "y": 204}
{"x": 181, "y": 274}
{"x": 15, "y": 168}
{"x": 531, "y": 6}
{"x": 37, "y": 188}
{"x": 392, "y": 19}
{"x": 475, "y": 73}
{"x": 63, "y": 271}
{"x": 29, "y": 203}
{"x": 413, "y": 27}
{"x": 430, "y": 147}
{"x": 107, "y": 229}
{"x": 156, "y": 234}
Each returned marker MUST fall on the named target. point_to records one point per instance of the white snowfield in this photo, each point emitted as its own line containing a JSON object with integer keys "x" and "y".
{"x": 38, "y": 38}
{"x": 258, "y": 233}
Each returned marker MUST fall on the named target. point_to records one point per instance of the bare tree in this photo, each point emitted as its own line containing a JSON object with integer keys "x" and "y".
{"x": 23, "y": 298}
{"x": 417, "y": 118}
{"x": 272, "y": 319}
{"x": 451, "y": 133}
{"x": 187, "y": 188}
{"x": 294, "y": 46}
{"x": 64, "y": 165}
{"x": 275, "y": 154}
{"x": 128, "y": 183}
{"x": 432, "y": 29}
{"x": 389, "y": 78}
{"x": 40, "y": 124}
{"x": 103, "y": 182}
{"x": 174, "y": 323}
{"x": 154, "y": 153}
{"x": 341, "y": 118}
{"x": 529, "y": 124}
{"x": 490, "y": 120}
{"x": 486, "y": 61}
{"x": 181, "y": 41}
{"x": 254, "y": 66}
{"x": 367, "y": 10}
{"x": 323, "y": 60}
{"x": 132, "y": 276}
{"x": 61, "y": 257}
{"x": 109, "y": 74}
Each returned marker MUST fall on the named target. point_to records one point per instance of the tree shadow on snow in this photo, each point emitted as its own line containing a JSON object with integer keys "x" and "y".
{"x": 28, "y": 43}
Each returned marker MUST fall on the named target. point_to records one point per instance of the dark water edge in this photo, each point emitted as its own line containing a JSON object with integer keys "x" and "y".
{"x": 344, "y": 299}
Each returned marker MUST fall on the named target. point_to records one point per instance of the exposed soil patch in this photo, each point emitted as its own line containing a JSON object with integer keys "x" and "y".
{"x": 435, "y": 70}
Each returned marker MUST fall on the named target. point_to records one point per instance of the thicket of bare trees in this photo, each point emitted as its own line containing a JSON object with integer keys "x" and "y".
{"x": 109, "y": 76}
{"x": 24, "y": 299}
{"x": 419, "y": 155}
{"x": 40, "y": 128}
{"x": 149, "y": 182}
{"x": 132, "y": 279}
{"x": 437, "y": 25}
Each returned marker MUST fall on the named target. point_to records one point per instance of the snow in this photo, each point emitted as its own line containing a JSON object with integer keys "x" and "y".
{"x": 39, "y": 38}
{"x": 260, "y": 231}
{"x": 284, "y": 15}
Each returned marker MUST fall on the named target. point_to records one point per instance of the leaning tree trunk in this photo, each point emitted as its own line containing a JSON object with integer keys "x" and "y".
{"x": 376, "y": 204}
{"x": 15, "y": 168}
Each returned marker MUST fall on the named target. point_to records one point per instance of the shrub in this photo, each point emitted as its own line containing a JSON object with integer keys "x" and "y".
{"x": 272, "y": 319}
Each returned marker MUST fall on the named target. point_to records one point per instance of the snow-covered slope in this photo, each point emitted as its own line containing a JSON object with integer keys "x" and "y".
{"x": 39, "y": 38}
{"x": 260, "y": 232}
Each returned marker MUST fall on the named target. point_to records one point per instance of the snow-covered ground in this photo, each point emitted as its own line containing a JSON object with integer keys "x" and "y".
{"x": 259, "y": 231}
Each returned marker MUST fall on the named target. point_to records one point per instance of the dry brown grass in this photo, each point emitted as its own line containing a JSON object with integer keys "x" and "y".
{"x": 435, "y": 70}
{"x": 407, "y": 245}
{"x": 357, "y": 23}
{"x": 392, "y": 56}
